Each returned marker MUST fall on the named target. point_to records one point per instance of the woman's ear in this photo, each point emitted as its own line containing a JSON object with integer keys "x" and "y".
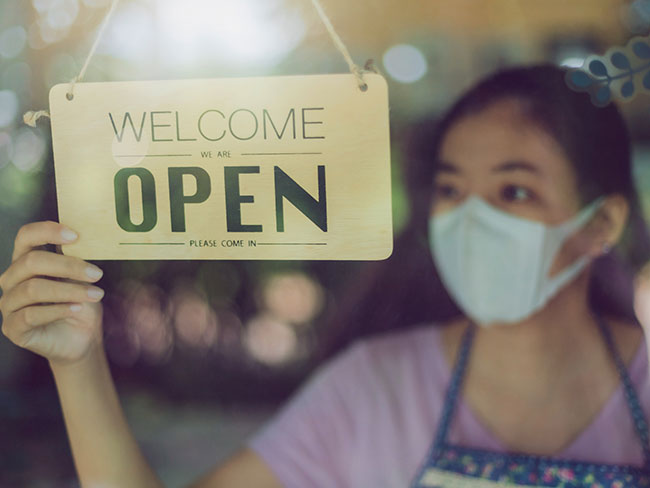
{"x": 608, "y": 223}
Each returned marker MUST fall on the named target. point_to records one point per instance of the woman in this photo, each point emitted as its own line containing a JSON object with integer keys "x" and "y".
{"x": 532, "y": 190}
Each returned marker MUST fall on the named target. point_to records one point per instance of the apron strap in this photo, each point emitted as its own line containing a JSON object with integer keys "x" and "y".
{"x": 455, "y": 385}
{"x": 631, "y": 398}
{"x": 456, "y": 382}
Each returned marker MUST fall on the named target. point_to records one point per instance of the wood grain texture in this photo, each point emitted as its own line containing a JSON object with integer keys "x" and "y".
{"x": 240, "y": 121}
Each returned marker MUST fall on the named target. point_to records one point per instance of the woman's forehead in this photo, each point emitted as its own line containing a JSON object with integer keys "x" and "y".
{"x": 502, "y": 136}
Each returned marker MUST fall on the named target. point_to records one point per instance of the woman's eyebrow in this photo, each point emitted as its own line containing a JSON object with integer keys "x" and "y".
{"x": 516, "y": 166}
{"x": 446, "y": 167}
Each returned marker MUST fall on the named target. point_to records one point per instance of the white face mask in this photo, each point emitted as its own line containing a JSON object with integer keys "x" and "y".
{"x": 495, "y": 265}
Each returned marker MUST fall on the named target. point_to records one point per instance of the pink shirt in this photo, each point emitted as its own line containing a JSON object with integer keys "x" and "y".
{"x": 367, "y": 418}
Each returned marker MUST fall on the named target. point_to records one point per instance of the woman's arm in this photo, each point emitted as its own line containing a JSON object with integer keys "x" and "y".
{"x": 104, "y": 450}
{"x": 49, "y": 306}
{"x": 244, "y": 469}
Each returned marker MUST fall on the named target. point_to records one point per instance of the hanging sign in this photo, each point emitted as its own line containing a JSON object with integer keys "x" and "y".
{"x": 292, "y": 167}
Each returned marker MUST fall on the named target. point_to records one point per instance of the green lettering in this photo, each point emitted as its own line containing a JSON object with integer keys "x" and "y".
{"x": 177, "y": 199}
{"x": 314, "y": 210}
{"x": 234, "y": 199}
{"x": 122, "y": 208}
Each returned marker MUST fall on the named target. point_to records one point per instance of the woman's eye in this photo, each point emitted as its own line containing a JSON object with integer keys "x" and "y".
{"x": 445, "y": 191}
{"x": 516, "y": 193}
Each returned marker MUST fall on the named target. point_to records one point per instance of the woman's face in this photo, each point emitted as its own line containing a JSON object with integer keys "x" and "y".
{"x": 503, "y": 157}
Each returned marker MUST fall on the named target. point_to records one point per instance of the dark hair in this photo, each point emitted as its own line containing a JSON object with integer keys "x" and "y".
{"x": 403, "y": 290}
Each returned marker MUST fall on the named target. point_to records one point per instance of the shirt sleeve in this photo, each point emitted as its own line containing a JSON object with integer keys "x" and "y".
{"x": 308, "y": 443}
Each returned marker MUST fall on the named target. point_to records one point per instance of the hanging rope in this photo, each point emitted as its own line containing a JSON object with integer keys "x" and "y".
{"x": 338, "y": 42}
{"x": 31, "y": 117}
{"x": 100, "y": 34}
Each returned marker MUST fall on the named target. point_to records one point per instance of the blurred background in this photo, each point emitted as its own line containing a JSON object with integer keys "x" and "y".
{"x": 203, "y": 352}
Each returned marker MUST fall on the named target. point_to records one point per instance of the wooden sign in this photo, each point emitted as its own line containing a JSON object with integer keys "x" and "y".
{"x": 293, "y": 167}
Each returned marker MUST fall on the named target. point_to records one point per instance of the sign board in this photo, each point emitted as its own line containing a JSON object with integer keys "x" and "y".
{"x": 291, "y": 167}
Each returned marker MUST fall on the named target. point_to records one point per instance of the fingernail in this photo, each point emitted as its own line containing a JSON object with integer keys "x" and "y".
{"x": 75, "y": 307}
{"x": 93, "y": 272}
{"x": 95, "y": 293}
{"x": 68, "y": 235}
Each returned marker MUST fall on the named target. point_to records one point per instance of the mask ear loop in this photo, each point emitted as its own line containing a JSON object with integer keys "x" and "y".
{"x": 580, "y": 220}
{"x": 566, "y": 229}
{"x": 587, "y": 212}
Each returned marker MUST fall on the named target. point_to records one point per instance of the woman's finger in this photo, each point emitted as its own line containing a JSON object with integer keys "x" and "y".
{"x": 19, "y": 323}
{"x": 43, "y": 263}
{"x": 40, "y": 290}
{"x": 37, "y": 234}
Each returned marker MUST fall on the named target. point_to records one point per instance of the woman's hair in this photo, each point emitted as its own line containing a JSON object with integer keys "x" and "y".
{"x": 405, "y": 290}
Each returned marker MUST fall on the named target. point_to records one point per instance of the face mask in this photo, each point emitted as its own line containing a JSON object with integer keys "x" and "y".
{"x": 495, "y": 264}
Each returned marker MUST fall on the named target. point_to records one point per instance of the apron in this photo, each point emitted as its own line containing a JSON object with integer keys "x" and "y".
{"x": 453, "y": 466}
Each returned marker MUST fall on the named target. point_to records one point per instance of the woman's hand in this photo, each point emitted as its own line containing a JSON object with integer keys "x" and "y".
{"x": 48, "y": 305}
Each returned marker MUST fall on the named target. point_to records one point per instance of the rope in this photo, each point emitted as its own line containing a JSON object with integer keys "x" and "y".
{"x": 356, "y": 71}
{"x": 31, "y": 117}
{"x": 100, "y": 33}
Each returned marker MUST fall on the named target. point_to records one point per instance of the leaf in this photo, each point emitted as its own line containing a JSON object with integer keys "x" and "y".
{"x": 598, "y": 68}
{"x": 646, "y": 81}
{"x": 620, "y": 60}
{"x": 627, "y": 90}
{"x": 580, "y": 79}
{"x": 641, "y": 49}
{"x": 603, "y": 95}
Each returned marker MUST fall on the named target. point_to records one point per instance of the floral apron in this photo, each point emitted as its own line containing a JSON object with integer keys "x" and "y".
{"x": 452, "y": 466}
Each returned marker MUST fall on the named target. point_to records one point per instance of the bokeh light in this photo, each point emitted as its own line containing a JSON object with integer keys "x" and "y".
{"x": 12, "y": 41}
{"x": 130, "y": 35}
{"x": 405, "y": 63}
{"x": 28, "y": 149}
{"x": 269, "y": 340}
{"x": 194, "y": 320}
{"x": 147, "y": 317}
{"x": 243, "y": 32}
{"x": 636, "y": 16}
{"x": 61, "y": 14}
{"x": 292, "y": 297}
{"x": 8, "y": 107}
{"x": 6, "y": 149}
{"x": 96, "y": 3}
{"x": 42, "y": 6}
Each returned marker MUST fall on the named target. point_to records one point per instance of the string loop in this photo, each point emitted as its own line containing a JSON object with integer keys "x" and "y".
{"x": 31, "y": 117}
